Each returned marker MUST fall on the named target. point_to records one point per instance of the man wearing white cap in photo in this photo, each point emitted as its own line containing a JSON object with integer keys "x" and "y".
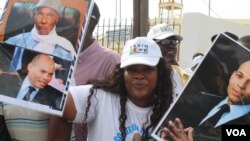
{"x": 43, "y": 36}
{"x": 168, "y": 41}
{"x": 27, "y": 124}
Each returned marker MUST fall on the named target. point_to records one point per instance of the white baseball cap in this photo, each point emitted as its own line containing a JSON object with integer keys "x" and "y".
{"x": 140, "y": 50}
{"x": 54, "y": 4}
{"x": 162, "y": 31}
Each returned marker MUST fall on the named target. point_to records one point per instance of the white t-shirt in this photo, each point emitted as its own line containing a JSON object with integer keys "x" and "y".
{"x": 103, "y": 116}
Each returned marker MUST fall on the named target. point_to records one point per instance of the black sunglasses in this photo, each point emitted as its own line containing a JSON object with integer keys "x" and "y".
{"x": 168, "y": 42}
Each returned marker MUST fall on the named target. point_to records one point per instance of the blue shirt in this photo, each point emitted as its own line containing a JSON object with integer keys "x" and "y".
{"x": 25, "y": 40}
{"x": 24, "y": 89}
{"x": 236, "y": 111}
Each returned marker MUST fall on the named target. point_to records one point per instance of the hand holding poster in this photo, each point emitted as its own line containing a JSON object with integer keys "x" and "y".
{"x": 222, "y": 78}
{"x": 50, "y": 30}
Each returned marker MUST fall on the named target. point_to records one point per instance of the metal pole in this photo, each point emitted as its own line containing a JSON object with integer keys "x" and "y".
{"x": 116, "y": 9}
{"x": 136, "y": 18}
{"x": 120, "y": 9}
{"x": 209, "y": 7}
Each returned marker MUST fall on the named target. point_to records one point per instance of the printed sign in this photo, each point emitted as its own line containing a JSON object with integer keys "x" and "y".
{"x": 221, "y": 79}
{"x": 39, "y": 45}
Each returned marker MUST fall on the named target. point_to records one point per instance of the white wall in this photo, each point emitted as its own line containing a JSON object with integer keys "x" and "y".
{"x": 197, "y": 30}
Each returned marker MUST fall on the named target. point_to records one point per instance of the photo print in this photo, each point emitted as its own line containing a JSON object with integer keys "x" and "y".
{"x": 219, "y": 81}
{"x": 35, "y": 34}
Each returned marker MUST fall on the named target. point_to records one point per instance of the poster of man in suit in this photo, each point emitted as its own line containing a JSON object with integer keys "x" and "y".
{"x": 40, "y": 71}
{"x": 50, "y": 30}
{"x": 222, "y": 78}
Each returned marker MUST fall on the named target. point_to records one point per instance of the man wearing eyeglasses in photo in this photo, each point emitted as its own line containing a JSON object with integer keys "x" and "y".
{"x": 168, "y": 40}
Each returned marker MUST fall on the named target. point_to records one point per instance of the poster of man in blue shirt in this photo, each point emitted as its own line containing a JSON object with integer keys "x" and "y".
{"x": 49, "y": 27}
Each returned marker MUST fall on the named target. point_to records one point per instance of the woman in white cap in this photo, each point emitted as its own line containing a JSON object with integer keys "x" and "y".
{"x": 128, "y": 104}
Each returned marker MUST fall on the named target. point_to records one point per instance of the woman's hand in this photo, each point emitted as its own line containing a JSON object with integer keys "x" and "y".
{"x": 176, "y": 132}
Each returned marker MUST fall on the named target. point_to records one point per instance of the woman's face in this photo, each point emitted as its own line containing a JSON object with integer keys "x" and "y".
{"x": 140, "y": 82}
{"x": 239, "y": 85}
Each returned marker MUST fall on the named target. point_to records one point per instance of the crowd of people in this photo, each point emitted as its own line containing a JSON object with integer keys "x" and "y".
{"x": 115, "y": 97}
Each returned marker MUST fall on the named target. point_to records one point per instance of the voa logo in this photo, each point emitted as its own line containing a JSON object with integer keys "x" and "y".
{"x": 236, "y": 132}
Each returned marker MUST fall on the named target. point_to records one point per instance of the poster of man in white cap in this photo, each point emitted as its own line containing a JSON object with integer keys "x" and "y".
{"x": 39, "y": 42}
{"x": 218, "y": 94}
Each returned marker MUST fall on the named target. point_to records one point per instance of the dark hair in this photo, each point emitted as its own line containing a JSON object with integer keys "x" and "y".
{"x": 94, "y": 19}
{"x": 245, "y": 40}
{"x": 96, "y": 13}
{"x": 233, "y": 36}
{"x": 198, "y": 54}
{"x": 115, "y": 85}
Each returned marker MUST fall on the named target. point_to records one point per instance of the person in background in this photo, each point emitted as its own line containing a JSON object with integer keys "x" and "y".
{"x": 230, "y": 34}
{"x": 245, "y": 40}
{"x": 168, "y": 41}
{"x": 4, "y": 134}
{"x": 138, "y": 89}
{"x": 94, "y": 62}
{"x": 197, "y": 59}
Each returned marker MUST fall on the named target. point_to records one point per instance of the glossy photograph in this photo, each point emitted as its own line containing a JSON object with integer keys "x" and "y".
{"x": 217, "y": 94}
{"x": 39, "y": 43}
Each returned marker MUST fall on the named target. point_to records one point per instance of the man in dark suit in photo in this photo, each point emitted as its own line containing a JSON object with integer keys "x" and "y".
{"x": 238, "y": 98}
{"x": 34, "y": 87}
{"x": 232, "y": 110}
